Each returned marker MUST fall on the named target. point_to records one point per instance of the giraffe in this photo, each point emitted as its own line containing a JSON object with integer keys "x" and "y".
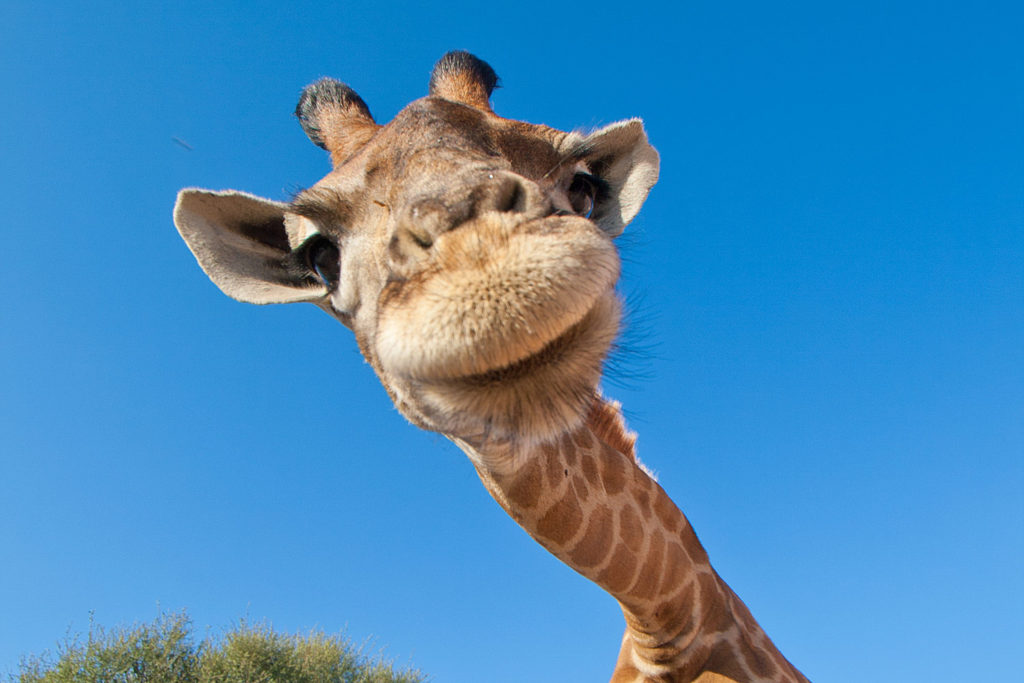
{"x": 473, "y": 258}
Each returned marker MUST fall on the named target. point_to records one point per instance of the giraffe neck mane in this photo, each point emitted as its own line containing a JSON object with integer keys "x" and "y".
{"x": 586, "y": 498}
{"x": 608, "y": 425}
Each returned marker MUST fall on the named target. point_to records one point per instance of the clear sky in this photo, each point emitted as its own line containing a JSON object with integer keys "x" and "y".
{"x": 825, "y": 363}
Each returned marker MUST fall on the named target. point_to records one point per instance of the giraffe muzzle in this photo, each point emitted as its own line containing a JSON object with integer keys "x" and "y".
{"x": 497, "y": 291}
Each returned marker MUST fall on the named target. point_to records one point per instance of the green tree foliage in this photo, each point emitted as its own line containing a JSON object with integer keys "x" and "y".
{"x": 166, "y": 651}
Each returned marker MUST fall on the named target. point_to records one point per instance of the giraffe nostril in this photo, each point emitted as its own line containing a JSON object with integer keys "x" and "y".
{"x": 420, "y": 237}
{"x": 425, "y": 221}
{"x": 510, "y": 196}
{"x": 509, "y": 193}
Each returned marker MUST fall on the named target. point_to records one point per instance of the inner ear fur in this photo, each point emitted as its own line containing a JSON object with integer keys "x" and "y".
{"x": 241, "y": 242}
{"x": 621, "y": 155}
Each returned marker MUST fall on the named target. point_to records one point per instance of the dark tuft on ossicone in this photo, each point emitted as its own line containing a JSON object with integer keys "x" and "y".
{"x": 327, "y": 93}
{"x": 461, "y": 63}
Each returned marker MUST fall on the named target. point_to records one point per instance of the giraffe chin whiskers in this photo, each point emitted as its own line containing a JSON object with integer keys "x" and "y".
{"x": 545, "y": 394}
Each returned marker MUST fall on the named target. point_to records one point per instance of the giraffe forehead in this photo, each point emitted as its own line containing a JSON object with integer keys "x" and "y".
{"x": 421, "y": 152}
{"x": 434, "y": 134}
{"x": 432, "y": 141}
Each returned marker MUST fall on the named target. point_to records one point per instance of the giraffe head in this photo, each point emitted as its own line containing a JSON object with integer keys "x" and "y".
{"x": 472, "y": 255}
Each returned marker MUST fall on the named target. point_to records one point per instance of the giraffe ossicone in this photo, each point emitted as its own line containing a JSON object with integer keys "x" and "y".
{"x": 473, "y": 258}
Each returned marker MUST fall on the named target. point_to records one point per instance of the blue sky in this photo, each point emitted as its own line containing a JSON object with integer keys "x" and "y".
{"x": 827, "y": 343}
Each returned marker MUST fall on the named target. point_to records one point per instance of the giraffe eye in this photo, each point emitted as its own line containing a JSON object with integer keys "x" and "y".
{"x": 583, "y": 194}
{"x": 323, "y": 259}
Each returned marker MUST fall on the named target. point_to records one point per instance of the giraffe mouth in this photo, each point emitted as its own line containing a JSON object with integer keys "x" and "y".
{"x": 497, "y": 298}
{"x": 592, "y": 335}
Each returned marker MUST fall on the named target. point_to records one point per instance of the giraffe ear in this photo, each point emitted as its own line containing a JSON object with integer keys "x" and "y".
{"x": 620, "y": 155}
{"x": 241, "y": 243}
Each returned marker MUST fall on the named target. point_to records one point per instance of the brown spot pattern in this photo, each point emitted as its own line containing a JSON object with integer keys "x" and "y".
{"x": 667, "y": 512}
{"x": 631, "y": 531}
{"x": 589, "y": 467}
{"x": 582, "y": 439}
{"x": 560, "y": 523}
{"x": 618, "y": 575}
{"x": 580, "y": 488}
{"x": 554, "y": 472}
{"x": 715, "y": 616}
{"x": 650, "y": 573}
{"x": 612, "y": 471}
{"x": 677, "y": 567}
{"x": 723, "y": 660}
{"x": 643, "y": 501}
{"x": 570, "y": 456}
{"x": 596, "y": 543}
{"x": 526, "y": 488}
{"x": 759, "y": 662}
{"x": 681, "y": 610}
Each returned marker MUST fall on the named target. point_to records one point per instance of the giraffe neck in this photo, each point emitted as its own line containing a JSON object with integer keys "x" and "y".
{"x": 588, "y": 501}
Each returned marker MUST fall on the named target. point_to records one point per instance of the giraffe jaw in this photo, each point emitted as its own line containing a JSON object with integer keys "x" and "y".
{"x": 536, "y": 398}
